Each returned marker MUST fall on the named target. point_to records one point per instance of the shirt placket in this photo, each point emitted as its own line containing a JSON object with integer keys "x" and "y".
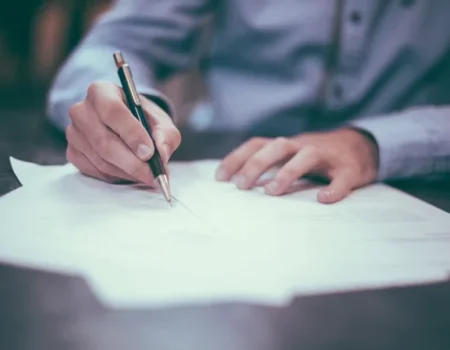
{"x": 353, "y": 29}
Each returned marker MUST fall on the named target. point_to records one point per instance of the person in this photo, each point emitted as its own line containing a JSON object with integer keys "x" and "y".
{"x": 351, "y": 91}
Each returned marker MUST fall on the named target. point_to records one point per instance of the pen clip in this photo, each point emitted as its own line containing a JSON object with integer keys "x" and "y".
{"x": 132, "y": 86}
{"x": 127, "y": 76}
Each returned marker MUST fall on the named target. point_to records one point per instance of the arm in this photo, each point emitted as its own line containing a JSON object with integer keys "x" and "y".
{"x": 157, "y": 37}
{"x": 415, "y": 142}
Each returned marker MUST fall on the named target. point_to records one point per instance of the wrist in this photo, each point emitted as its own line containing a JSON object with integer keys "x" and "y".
{"x": 366, "y": 146}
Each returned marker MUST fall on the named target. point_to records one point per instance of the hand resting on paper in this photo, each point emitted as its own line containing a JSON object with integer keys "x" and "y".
{"x": 107, "y": 142}
{"x": 347, "y": 157}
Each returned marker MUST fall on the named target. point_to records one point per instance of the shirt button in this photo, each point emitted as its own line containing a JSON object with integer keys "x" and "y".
{"x": 338, "y": 91}
{"x": 355, "y": 17}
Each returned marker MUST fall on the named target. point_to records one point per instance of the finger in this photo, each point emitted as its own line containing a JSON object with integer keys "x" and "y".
{"x": 108, "y": 103}
{"x": 85, "y": 166}
{"x": 167, "y": 140}
{"x": 164, "y": 133}
{"x": 233, "y": 162}
{"x": 77, "y": 140}
{"x": 306, "y": 160}
{"x": 108, "y": 145}
{"x": 341, "y": 185}
{"x": 264, "y": 159}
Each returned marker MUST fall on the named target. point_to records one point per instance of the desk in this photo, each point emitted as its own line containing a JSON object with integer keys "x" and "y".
{"x": 47, "y": 311}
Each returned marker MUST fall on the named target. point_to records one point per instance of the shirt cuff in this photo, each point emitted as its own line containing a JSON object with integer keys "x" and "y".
{"x": 403, "y": 146}
{"x": 159, "y": 99}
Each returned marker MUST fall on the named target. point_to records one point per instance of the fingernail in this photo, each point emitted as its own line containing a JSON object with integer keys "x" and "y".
{"x": 221, "y": 175}
{"x": 325, "y": 193}
{"x": 324, "y": 196}
{"x": 144, "y": 152}
{"x": 240, "y": 181}
{"x": 272, "y": 187}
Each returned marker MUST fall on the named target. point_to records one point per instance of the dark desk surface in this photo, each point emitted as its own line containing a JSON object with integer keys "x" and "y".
{"x": 40, "y": 310}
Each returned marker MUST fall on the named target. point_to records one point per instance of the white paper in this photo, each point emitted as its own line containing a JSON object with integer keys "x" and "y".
{"x": 376, "y": 237}
{"x": 218, "y": 243}
{"x": 30, "y": 173}
{"x": 129, "y": 244}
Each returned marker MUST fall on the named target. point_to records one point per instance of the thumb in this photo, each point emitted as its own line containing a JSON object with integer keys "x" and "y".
{"x": 341, "y": 185}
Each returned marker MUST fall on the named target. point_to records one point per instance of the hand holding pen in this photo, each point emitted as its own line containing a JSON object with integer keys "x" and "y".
{"x": 107, "y": 142}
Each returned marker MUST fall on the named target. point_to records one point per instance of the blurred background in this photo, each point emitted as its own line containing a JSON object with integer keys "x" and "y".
{"x": 36, "y": 36}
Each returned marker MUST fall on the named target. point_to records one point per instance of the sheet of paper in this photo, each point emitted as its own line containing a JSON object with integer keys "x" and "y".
{"x": 377, "y": 237}
{"x": 130, "y": 245}
{"x": 221, "y": 243}
{"x": 371, "y": 213}
{"x": 377, "y": 212}
{"x": 30, "y": 173}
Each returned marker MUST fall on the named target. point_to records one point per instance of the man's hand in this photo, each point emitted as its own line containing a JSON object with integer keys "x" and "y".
{"x": 347, "y": 157}
{"x": 107, "y": 142}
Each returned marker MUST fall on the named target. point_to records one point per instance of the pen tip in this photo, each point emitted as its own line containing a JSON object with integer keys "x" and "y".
{"x": 164, "y": 184}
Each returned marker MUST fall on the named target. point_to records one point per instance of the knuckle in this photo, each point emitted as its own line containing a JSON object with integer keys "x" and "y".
{"x": 100, "y": 94}
{"x": 102, "y": 145}
{"x": 75, "y": 111}
{"x": 257, "y": 141}
{"x": 283, "y": 142}
{"x": 96, "y": 88}
{"x": 311, "y": 151}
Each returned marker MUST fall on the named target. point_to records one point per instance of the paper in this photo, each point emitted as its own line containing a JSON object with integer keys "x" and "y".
{"x": 30, "y": 173}
{"x": 374, "y": 212}
{"x": 218, "y": 243}
{"x": 129, "y": 244}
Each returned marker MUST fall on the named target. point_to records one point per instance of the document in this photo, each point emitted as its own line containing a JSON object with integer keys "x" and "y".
{"x": 218, "y": 243}
{"x": 129, "y": 244}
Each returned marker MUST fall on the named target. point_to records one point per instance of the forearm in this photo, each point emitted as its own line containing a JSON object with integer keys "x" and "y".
{"x": 156, "y": 37}
{"x": 412, "y": 143}
{"x": 83, "y": 69}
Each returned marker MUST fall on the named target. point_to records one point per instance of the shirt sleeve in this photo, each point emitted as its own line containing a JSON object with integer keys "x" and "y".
{"x": 156, "y": 37}
{"x": 412, "y": 143}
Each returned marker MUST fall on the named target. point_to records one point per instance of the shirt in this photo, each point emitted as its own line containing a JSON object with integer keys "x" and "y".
{"x": 288, "y": 66}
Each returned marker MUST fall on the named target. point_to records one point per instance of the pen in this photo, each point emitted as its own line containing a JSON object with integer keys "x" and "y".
{"x": 134, "y": 104}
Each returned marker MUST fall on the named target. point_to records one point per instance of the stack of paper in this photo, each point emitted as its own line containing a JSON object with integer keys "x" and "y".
{"x": 217, "y": 243}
